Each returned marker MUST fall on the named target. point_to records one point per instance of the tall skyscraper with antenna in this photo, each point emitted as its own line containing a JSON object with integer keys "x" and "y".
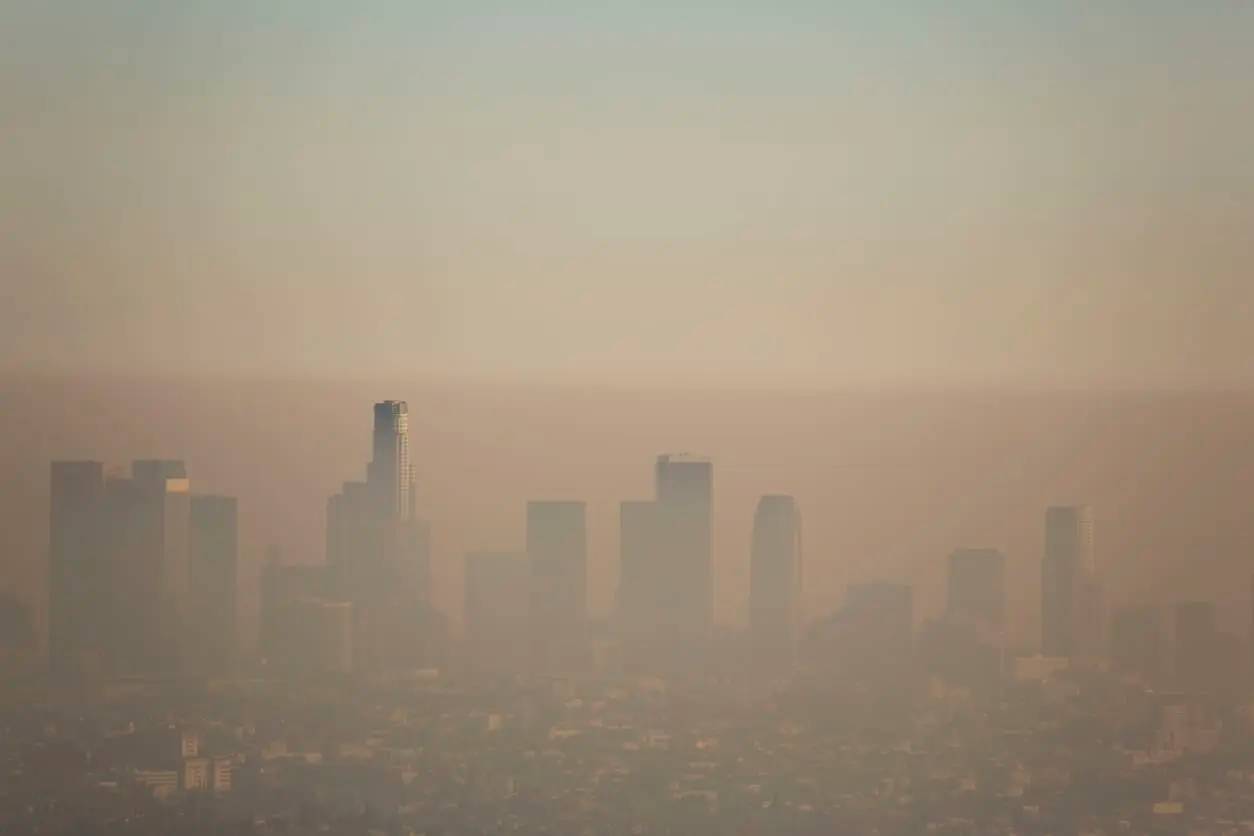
{"x": 378, "y": 549}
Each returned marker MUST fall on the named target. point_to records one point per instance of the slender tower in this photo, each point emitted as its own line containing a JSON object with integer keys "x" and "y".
{"x": 775, "y": 577}
{"x": 1070, "y": 596}
{"x": 389, "y": 474}
{"x": 379, "y": 550}
{"x": 78, "y": 576}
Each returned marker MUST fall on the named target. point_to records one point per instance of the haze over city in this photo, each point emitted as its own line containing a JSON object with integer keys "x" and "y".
{"x": 706, "y": 419}
{"x": 810, "y": 193}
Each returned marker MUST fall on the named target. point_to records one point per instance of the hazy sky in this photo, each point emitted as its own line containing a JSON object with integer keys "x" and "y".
{"x": 823, "y": 191}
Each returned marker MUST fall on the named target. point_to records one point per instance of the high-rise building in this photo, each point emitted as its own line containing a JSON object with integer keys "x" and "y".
{"x": 977, "y": 586}
{"x": 1137, "y": 642}
{"x": 685, "y": 494}
{"x": 78, "y": 568}
{"x": 775, "y": 577}
{"x": 213, "y": 574}
{"x": 557, "y": 549}
{"x": 147, "y": 517}
{"x": 139, "y": 583}
{"x": 1071, "y": 599}
{"x": 497, "y": 609}
{"x": 389, "y": 474}
{"x": 379, "y": 551}
{"x": 665, "y": 589}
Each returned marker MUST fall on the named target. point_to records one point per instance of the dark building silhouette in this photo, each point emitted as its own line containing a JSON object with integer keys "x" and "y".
{"x": 379, "y": 551}
{"x": 1071, "y": 620}
{"x": 213, "y": 575}
{"x": 148, "y": 516}
{"x": 557, "y": 550}
{"x": 118, "y": 566}
{"x": 1138, "y": 643}
{"x": 497, "y": 610}
{"x": 775, "y": 580}
{"x": 78, "y": 568}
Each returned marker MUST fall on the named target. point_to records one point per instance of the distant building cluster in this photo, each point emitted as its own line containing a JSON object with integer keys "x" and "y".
{"x": 142, "y": 573}
{"x": 143, "y": 581}
{"x": 361, "y": 714}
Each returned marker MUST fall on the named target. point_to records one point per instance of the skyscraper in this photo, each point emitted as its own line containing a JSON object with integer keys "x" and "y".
{"x": 379, "y": 551}
{"x": 977, "y": 586}
{"x": 665, "y": 588}
{"x": 775, "y": 577}
{"x": 148, "y": 517}
{"x": 389, "y": 474}
{"x": 557, "y": 550}
{"x": 685, "y": 494}
{"x": 138, "y": 583}
{"x": 213, "y": 572}
{"x": 1070, "y": 593}
{"x": 78, "y": 567}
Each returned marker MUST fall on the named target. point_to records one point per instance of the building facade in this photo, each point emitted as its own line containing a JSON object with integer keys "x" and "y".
{"x": 378, "y": 550}
{"x": 775, "y": 579}
{"x": 1071, "y": 598}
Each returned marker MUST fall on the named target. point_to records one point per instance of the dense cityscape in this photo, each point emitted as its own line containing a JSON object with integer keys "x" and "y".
{"x": 363, "y": 711}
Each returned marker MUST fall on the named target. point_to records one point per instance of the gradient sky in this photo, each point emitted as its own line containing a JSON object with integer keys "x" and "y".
{"x": 825, "y": 192}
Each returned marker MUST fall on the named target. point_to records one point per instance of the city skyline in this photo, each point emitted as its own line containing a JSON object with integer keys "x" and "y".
{"x": 377, "y": 563}
{"x": 843, "y": 544}
{"x": 674, "y": 419}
